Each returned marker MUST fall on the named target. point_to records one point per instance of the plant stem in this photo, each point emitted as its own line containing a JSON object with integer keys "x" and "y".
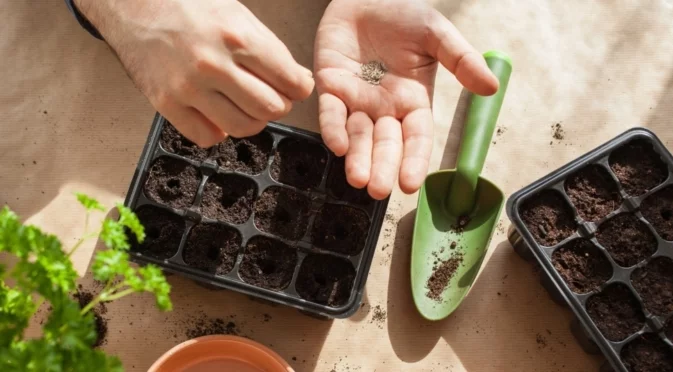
{"x": 119, "y": 295}
{"x": 107, "y": 295}
{"x": 80, "y": 241}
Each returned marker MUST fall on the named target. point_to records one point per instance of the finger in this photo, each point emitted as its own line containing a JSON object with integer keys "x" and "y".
{"x": 386, "y": 157}
{"x": 195, "y": 126}
{"x": 222, "y": 112}
{"x": 417, "y": 136}
{"x": 360, "y": 130}
{"x": 332, "y": 120}
{"x": 451, "y": 49}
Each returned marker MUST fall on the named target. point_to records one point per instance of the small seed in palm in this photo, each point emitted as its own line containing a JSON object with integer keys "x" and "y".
{"x": 372, "y": 72}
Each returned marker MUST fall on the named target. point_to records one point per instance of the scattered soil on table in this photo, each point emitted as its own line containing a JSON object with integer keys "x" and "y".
{"x": 379, "y": 316}
{"x": 638, "y": 167}
{"x": 229, "y": 198}
{"x": 557, "y": 131}
{"x": 338, "y": 185}
{"x": 548, "y": 217}
{"x": 283, "y": 212}
{"x": 654, "y": 283}
{"x": 340, "y": 229}
{"x": 616, "y": 312}
{"x": 541, "y": 341}
{"x": 204, "y": 326}
{"x": 441, "y": 276}
{"x": 372, "y": 72}
{"x": 582, "y": 265}
{"x": 163, "y": 231}
{"x": 248, "y": 155}
{"x": 84, "y": 298}
{"x": 647, "y": 353}
{"x": 268, "y": 263}
{"x": 593, "y": 192}
{"x": 325, "y": 279}
{"x": 658, "y": 210}
{"x": 627, "y": 239}
{"x": 299, "y": 163}
{"x": 172, "y": 182}
{"x": 172, "y": 141}
{"x": 212, "y": 248}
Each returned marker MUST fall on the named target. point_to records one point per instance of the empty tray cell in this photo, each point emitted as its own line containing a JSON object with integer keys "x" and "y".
{"x": 248, "y": 155}
{"x": 340, "y": 229}
{"x": 299, "y": 163}
{"x": 163, "y": 232}
{"x": 229, "y": 198}
{"x": 548, "y": 217}
{"x": 325, "y": 280}
{"x": 654, "y": 283}
{"x": 282, "y": 212}
{"x": 172, "y": 182}
{"x": 638, "y": 167}
{"x": 172, "y": 141}
{"x": 647, "y": 353}
{"x": 339, "y": 188}
{"x": 593, "y": 192}
{"x": 658, "y": 210}
{"x": 212, "y": 248}
{"x": 616, "y": 312}
{"x": 582, "y": 265}
{"x": 268, "y": 263}
{"x": 627, "y": 239}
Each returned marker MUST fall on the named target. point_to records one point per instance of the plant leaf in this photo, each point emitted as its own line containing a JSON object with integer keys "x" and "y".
{"x": 129, "y": 220}
{"x": 89, "y": 203}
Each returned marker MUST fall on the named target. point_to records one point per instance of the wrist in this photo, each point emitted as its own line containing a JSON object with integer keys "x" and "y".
{"x": 88, "y": 15}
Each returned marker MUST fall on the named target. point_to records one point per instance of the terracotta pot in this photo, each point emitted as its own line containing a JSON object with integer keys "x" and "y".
{"x": 220, "y": 353}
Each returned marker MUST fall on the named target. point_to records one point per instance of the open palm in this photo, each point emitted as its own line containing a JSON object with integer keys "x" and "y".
{"x": 384, "y": 128}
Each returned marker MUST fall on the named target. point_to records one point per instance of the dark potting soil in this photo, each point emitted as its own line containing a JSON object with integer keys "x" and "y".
{"x": 299, "y": 163}
{"x": 654, "y": 283}
{"x": 647, "y": 353}
{"x": 593, "y": 192}
{"x": 668, "y": 328}
{"x": 163, "y": 231}
{"x": 268, "y": 263}
{"x": 441, "y": 276}
{"x": 658, "y": 210}
{"x": 628, "y": 239}
{"x": 248, "y": 155}
{"x": 638, "y": 167}
{"x": 229, "y": 198}
{"x": 582, "y": 265}
{"x": 212, "y": 248}
{"x": 338, "y": 185}
{"x": 172, "y": 182}
{"x": 616, "y": 312}
{"x": 325, "y": 279}
{"x": 204, "y": 326}
{"x": 548, "y": 217}
{"x": 172, "y": 141}
{"x": 340, "y": 229}
{"x": 84, "y": 298}
{"x": 283, "y": 212}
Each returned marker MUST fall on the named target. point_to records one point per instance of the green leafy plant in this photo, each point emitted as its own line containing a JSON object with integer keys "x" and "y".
{"x": 43, "y": 273}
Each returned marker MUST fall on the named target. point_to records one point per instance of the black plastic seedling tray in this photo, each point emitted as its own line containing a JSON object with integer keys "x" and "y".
{"x": 579, "y": 238}
{"x": 256, "y": 235}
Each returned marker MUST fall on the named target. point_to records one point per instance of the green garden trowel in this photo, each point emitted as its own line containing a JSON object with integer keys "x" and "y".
{"x": 458, "y": 210}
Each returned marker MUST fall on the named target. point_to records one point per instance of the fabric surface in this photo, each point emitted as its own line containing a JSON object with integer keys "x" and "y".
{"x": 70, "y": 120}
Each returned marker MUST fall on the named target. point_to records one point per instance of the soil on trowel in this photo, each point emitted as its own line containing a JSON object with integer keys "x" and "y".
{"x": 658, "y": 210}
{"x": 229, "y": 198}
{"x": 593, "y": 192}
{"x": 616, "y": 312}
{"x": 338, "y": 185}
{"x": 638, "y": 167}
{"x": 326, "y": 280}
{"x": 282, "y": 212}
{"x": 340, "y": 229}
{"x": 172, "y": 182}
{"x": 582, "y": 265}
{"x": 654, "y": 283}
{"x": 268, "y": 263}
{"x": 172, "y": 141}
{"x": 627, "y": 239}
{"x": 299, "y": 163}
{"x": 441, "y": 276}
{"x": 84, "y": 297}
{"x": 248, "y": 155}
{"x": 212, "y": 248}
{"x": 163, "y": 231}
{"x": 548, "y": 217}
{"x": 647, "y": 353}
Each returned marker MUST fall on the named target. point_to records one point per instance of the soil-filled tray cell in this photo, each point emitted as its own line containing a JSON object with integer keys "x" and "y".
{"x": 163, "y": 231}
{"x": 582, "y": 265}
{"x": 172, "y": 182}
{"x": 229, "y": 198}
{"x": 172, "y": 141}
{"x": 282, "y": 212}
{"x": 647, "y": 353}
{"x": 658, "y": 210}
{"x": 339, "y": 188}
{"x": 268, "y": 263}
{"x": 654, "y": 283}
{"x": 299, "y": 163}
{"x": 212, "y": 248}
{"x": 325, "y": 280}
{"x": 638, "y": 167}
{"x": 248, "y": 155}
{"x": 340, "y": 229}
{"x": 627, "y": 239}
{"x": 616, "y": 312}
{"x": 593, "y": 192}
{"x": 548, "y": 217}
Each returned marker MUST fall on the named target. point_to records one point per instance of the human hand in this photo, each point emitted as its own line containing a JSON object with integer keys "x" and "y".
{"x": 209, "y": 66}
{"x": 384, "y": 126}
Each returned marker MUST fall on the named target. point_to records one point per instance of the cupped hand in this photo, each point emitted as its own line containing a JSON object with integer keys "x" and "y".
{"x": 209, "y": 66}
{"x": 384, "y": 125}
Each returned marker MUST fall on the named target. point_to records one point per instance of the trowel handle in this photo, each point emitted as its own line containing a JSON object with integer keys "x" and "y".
{"x": 482, "y": 116}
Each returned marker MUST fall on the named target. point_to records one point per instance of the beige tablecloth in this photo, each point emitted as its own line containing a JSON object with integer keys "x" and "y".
{"x": 70, "y": 120}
